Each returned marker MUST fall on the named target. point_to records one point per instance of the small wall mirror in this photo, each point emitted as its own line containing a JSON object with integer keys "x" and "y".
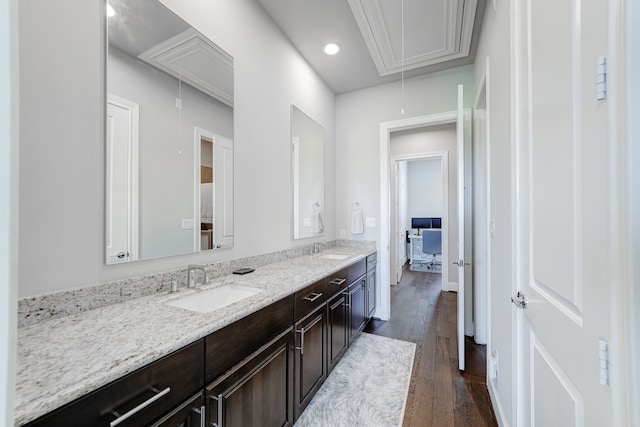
{"x": 307, "y": 172}
{"x": 169, "y": 136}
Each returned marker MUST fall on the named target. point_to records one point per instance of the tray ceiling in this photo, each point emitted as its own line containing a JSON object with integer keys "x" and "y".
{"x": 378, "y": 45}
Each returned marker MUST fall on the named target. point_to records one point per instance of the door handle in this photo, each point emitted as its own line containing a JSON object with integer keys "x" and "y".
{"x": 520, "y": 301}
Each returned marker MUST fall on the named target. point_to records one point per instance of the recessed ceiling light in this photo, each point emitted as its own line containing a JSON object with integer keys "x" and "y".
{"x": 110, "y": 11}
{"x": 331, "y": 48}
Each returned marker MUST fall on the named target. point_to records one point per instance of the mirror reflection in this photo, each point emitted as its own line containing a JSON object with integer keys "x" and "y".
{"x": 169, "y": 136}
{"x": 307, "y": 172}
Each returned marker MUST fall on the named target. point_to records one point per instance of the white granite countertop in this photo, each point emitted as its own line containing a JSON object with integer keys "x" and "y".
{"x": 63, "y": 359}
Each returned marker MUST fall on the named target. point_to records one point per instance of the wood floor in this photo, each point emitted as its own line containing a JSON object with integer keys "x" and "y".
{"x": 439, "y": 394}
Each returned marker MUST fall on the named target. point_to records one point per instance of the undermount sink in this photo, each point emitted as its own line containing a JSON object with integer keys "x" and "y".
{"x": 334, "y": 256}
{"x": 214, "y": 299}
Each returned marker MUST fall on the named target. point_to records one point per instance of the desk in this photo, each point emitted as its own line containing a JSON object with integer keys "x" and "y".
{"x": 415, "y": 246}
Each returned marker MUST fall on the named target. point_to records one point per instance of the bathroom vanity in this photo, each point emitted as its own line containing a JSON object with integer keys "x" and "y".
{"x": 146, "y": 362}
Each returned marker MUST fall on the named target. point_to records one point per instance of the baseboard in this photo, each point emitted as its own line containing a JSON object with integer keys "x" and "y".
{"x": 498, "y": 409}
{"x": 452, "y": 287}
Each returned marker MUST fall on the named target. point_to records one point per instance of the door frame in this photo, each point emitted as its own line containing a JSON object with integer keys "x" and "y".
{"x": 133, "y": 172}
{"x": 199, "y": 135}
{"x": 624, "y": 198}
{"x": 482, "y": 214}
{"x": 385, "y": 200}
{"x": 444, "y": 170}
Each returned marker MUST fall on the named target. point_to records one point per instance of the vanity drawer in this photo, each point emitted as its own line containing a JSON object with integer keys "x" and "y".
{"x": 372, "y": 260}
{"x": 154, "y": 390}
{"x": 310, "y": 298}
{"x": 338, "y": 282}
{"x": 224, "y": 348}
{"x": 356, "y": 270}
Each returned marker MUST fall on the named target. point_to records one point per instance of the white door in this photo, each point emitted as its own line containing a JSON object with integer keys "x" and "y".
{"x": 401, "y": 213}
{"x": 223, "y": 187}
{"x": 562, "y": 177}
{"x": 121, "y": 180}
{"x": 460, "y": 262}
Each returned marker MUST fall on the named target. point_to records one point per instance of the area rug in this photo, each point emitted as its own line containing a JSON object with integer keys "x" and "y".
{"x": 368, "y": 387}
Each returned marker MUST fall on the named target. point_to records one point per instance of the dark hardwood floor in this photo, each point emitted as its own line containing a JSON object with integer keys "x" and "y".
{"x": 439, "y": 394}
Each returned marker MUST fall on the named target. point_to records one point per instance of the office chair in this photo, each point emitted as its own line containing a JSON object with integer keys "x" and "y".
{"x": 431, "y": 246}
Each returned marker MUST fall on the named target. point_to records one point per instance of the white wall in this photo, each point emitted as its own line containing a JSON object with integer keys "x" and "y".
{"x": 8, "y": 205}
{"x": 359, "y": 115}
{"x": 495, "y": 44}
{"x": 62, "y": 141}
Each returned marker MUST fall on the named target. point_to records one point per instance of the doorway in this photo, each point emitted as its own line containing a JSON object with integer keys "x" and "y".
{"x": 429, "y": 197}
{"x": 462, "y": 119}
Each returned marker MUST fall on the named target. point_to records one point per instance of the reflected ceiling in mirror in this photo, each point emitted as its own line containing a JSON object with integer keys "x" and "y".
{"x": 169, "y": 136}
{"x": 307, "y": 174}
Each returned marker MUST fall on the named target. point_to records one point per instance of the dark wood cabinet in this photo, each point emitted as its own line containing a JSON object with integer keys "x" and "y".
{"x": 227, "y": 346}
{"x": 371, "y": 285}
{"x": 190, "y": 414}
{"x": 257, "y": 391}
{"x": 337, "y": 329}
{"x": 357, "y": 308}
{"x": 310, "y": 357}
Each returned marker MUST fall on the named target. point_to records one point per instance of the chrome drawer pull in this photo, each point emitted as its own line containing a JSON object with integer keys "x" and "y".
{"x": 338, "y": 282}
{"x": 218, "y": 399}
{"x": 301, "y": 348}
{"x": 138, "y": 408}
{"x": 312, "y": 297}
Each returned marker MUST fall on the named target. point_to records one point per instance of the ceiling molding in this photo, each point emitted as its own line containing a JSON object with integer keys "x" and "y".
{"x": 193, "y": 59}
{"x": 459, "y": 19}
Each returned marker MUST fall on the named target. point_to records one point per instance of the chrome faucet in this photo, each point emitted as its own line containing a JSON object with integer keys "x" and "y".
{"x": 191, "y": 280}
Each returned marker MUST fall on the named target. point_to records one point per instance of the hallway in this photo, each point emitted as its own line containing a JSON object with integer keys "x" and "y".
{"x": 439, "y": 394}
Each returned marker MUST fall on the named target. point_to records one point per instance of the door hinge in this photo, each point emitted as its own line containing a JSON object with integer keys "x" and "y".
{"x": 601, "y": 78}
{"x": 603, "y": 359}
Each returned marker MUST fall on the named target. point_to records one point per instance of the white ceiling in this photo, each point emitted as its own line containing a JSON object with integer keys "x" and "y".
{"x": 438, "y": 34}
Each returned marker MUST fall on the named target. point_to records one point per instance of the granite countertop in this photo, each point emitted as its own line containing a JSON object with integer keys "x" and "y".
{"x": 63, "y": 359}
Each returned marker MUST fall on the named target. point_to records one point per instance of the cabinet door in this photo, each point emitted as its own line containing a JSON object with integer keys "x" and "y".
{"x": 189, "y": 414}
{"x": 371, "y": 293}
{"x": 257, "y": 391}
{"x": 338, "y": 329}
{"x": 310, "y": 362}
{"x": 358, "y": 309}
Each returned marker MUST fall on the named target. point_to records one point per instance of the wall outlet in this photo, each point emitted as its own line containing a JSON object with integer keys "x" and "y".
{"x": 343, "y": 233}
{"x": 306, "y": 222}
{"x": 370, "y": 222}
{"x": 187, "y": 224}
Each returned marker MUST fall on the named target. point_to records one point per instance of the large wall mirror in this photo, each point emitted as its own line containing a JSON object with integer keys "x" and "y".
{"x": 169, "y": 136}
{"x": 307, "y": 173}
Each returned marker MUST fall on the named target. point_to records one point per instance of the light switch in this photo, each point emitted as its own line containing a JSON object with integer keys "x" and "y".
{"x": 492, "y": 228}
{"x": 187, "y": 224}
{"x": 306, "y": 222}
{"x": 370, "y": 222}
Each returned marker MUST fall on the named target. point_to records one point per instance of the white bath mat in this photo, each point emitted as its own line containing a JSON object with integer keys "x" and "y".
{"x": 368, "y": 387}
